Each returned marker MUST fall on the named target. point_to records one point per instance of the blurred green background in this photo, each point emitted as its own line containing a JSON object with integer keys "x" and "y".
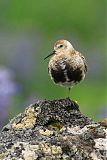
{"x": 28, "y": 31}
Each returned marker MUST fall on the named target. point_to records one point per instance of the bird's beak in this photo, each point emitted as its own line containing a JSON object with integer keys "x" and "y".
{"x": 50, "y": 54}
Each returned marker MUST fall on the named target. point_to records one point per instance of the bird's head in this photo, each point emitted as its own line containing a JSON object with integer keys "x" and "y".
{"x": 61, "y": 46}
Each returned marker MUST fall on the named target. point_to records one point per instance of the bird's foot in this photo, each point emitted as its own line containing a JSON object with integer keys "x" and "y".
{"x": 72, "y": 104}
{"x": 68, "y": 102}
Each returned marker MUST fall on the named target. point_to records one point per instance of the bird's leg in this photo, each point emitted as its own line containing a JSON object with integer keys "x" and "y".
{"x": 69, "y": 89}
{"x": 69, "y": 103}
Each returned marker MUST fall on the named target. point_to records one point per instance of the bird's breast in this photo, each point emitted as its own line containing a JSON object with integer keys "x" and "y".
{"x": 66, "y": 69}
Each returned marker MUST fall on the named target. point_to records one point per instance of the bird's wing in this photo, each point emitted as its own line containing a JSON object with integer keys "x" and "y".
{"x": 85, "y": 63}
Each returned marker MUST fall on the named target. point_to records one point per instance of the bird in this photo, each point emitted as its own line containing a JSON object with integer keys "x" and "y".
{"x": 67, "y": 66}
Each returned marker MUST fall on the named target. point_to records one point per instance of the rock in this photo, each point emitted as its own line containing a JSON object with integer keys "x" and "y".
{"x": 53, "y": 130}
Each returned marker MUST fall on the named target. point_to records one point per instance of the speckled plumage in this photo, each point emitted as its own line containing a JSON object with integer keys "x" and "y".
{"x": 66, "y": 66}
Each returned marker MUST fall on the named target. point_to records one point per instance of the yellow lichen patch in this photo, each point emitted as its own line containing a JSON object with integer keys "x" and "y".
{"x": 105, "y": 130}
{"x": 28, "y": 121}
{"x": 104, "y": 122}
{"x": 93, "y": 155}
{"x": 46, "y": 132}
{"x": 65, "y": 137}
{"x": 28, "y": 155}
{"x": 56, "y": 149}
{"x": 48, "y": 149}
{"x": 1, "y": 156}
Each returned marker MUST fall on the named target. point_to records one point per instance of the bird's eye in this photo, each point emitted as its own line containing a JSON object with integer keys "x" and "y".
{"x": 61, "y": 46}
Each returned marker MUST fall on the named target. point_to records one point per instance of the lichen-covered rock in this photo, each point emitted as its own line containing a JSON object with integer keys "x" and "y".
{"x": 53, "y": 130}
